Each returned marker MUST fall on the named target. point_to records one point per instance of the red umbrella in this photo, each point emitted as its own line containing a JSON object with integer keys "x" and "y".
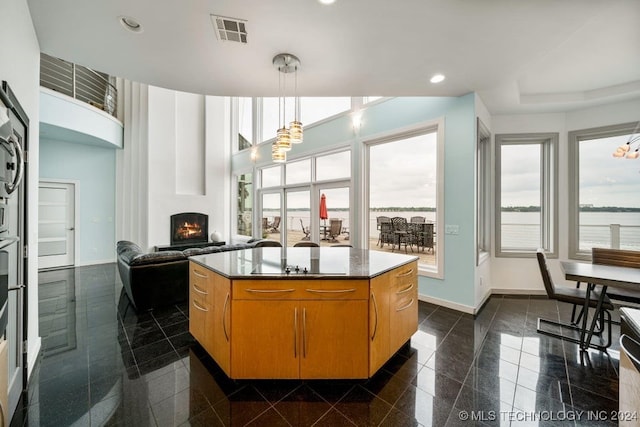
{"x": 323, "y": 207}
{"x": 323, "y": 212}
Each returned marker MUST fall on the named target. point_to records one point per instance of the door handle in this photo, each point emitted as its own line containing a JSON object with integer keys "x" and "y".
{"x": 16, "y": 288}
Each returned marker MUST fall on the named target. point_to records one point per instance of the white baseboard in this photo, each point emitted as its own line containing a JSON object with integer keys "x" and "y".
{"x": 444, "y": 303}
{"x": 32, "y": 355}
{"x": 499, "y": 291}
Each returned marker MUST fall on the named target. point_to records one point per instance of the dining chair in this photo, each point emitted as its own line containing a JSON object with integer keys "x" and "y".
{"x": 576, "y": 297}
{"x": 386, "y": 230}
{"x": 306, "y": 245}
{"x": 267, "y": 243}
{"x": 401, "y": 233}
{"x": 620, "y": 258}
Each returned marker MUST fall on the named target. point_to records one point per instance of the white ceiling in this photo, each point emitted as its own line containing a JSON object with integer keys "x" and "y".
{"x": 519, "y": 55}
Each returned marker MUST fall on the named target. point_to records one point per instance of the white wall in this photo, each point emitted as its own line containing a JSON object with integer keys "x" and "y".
{"x": 20, "y": 67}
{"x": 521, "y": 274}
{"x": 175, "y": 160}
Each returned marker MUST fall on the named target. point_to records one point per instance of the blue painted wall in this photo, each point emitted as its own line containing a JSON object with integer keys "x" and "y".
{"x": 459, "y": 168}
{"x": 94, "y": 168}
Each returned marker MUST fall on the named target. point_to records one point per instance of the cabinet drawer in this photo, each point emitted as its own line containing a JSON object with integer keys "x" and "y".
{"x": 405, "y": 275}
{"x": 200, "y": 280}
{"x": 336, "y": 289}
{"x": 300, "y": 289}
{"x": 266, "y": 289}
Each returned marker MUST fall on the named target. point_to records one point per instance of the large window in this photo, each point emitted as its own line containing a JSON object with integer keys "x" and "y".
{"x": 313, "y": 110}
{"x": 483, "y": 192}
{"x": 302, "y": 193}
{"x": 604, "y": 208}
{"x": 406, "y": 188}
{"x": 245, "y": 204}
{"x": 526, "y": 194}
{"x": 245, "y": 123}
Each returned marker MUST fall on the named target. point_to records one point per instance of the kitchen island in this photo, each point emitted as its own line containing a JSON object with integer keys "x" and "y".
{"x": 307, "y": 313}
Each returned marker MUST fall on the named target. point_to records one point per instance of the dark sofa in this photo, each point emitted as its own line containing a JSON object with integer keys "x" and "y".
{"x": 156, "y": 279}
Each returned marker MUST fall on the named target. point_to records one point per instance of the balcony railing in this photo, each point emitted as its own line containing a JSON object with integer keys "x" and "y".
{"x": 79, "y": 82}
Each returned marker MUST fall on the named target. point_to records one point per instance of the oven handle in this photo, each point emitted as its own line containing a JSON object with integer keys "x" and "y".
{"x": 10, "y": 188}
{"x": 7, "y": 241}
{"x": 16, "y": 288}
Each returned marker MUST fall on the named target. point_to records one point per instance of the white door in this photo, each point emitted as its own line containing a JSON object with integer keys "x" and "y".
{"x": 56, "y": 224}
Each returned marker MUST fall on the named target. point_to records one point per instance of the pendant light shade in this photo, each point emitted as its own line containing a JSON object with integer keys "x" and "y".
{"x": 277, "y": 155}
{"x": 285, "y": 137}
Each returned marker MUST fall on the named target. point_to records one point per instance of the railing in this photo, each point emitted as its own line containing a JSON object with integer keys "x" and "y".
{"x": 79, "y": 82}
{"x": 614, "y": 236}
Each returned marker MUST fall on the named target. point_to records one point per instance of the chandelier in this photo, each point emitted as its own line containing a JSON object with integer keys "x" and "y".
{"x": 626, "y": 149}
{"x": 286, "y": 63}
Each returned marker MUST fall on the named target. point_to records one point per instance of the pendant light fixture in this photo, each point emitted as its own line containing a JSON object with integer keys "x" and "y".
{"x": 286, "y": 63}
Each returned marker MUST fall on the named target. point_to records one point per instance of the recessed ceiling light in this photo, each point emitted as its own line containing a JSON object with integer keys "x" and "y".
{"x": 130, "y": 24}
{"x": 437, "y": 78}
{"x": 327, "y": 1}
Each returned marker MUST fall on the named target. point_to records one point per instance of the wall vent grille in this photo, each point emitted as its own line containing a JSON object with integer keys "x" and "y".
{"x": 230, "y": 29}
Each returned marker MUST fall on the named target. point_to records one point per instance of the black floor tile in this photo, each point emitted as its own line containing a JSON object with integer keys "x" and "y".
{"x": 103, "y": 363}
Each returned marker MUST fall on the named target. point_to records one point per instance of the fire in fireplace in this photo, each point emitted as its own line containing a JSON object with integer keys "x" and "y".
{"x": 189, "y": 227}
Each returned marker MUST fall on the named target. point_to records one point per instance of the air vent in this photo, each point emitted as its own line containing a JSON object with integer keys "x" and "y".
{"x": 230, "y": 29}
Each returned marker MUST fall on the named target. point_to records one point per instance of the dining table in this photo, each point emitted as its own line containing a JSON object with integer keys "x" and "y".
{"x": 598, "y": 275}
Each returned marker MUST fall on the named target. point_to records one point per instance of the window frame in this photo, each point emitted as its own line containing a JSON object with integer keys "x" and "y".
{"x": 548, "y": 188}
{"x": 483, "y": 193}
{"x": 574, "y": 139}
{"x": 437, "y": 126}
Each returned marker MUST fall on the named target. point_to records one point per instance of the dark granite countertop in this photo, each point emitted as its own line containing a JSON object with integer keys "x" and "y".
{"x": 632, "y": 318}
{"x": 320, "y": 263}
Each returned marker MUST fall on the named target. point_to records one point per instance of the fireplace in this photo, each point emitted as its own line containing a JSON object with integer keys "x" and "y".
{"x": 189, "y": 227}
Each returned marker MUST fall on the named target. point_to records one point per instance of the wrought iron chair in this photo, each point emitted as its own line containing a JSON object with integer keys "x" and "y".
{"x": 275, "y": 225}
{"x": 401, "y": 233}
{"x": 576, "y": 297}
{"x": 422, "y": 235}
{"x": 386, "y": 230}
{"x": 417, "y": 220}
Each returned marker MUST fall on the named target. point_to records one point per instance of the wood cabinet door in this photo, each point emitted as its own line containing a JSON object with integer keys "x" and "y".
{"x": 198, "y": 310}
{"x": 334, "y": 339}
{"x": 219, "y": 322}
{"x": 265, "y": 340}
{"x": 379, "y": 348}
{"x": 404, "y": 306}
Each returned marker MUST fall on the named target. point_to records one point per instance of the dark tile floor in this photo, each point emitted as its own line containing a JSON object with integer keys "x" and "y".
{"x": 103, "y": 364}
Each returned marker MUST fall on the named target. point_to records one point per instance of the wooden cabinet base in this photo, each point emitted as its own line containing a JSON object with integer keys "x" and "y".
{"x": 297, "y": 329}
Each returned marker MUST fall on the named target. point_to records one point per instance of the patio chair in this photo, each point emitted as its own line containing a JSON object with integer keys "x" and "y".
{"x": 386, "y": 231}
{"x": 401, "y": 233}
{"x": 268, "y": 243}
{"x": 274, "y": 227}
{"x": 306, "y": 245}
{"x": 422, "y": 235}
{"x": 620, "y": 258}
{"x": 576, "y": 297}
{"x": 417, "y": 219}
{"x": 305, "y": 230}
{"x": 335, "y": 228}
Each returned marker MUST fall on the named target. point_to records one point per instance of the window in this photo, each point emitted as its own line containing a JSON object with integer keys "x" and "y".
{"x": 313, "y": 110}
{"x": 301, "y": 200}
{"x": 483, "y": 191}
{"x": 333, "y": 166}
{"x": 368, "y": 99}
{"x": 298, "y": 172}
{"x": 406, "y": 188}
{"x": 271, "y": 177}
{"x": 526, "y": 194}
{"x": 245, "y": 204}
{"x": 245, "y": 123}
{"x": 604, "y": 207}
{"x": 271, "y": 121}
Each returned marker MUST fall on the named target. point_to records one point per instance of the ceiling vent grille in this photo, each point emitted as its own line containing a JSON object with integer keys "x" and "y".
{"x": 230, "y": 29}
